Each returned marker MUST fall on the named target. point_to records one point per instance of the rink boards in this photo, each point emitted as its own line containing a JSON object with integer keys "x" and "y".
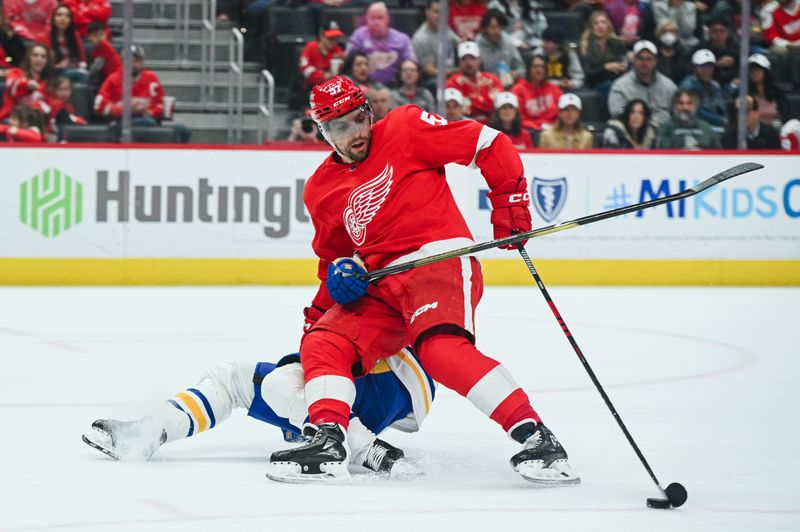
{"x": 216, "y": 215}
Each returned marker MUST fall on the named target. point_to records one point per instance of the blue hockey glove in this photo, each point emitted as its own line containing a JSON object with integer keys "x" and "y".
{"x": 343, "y": 283}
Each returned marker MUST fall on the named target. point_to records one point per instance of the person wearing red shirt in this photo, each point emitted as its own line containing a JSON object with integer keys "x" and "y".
{"x": 507, "y": 119}
{"x": 104, "y": 60}
{"x": 31, "y": 18}
{"x": 780, "y": 21}
{"x": 61, "y": 111}
{"x": 318, "y": 56}
{"x": 538, "y": 96}
{"x": 24, "y": 125}
{"x": 69, "y": 57}
{"x": 147, "y": 95}
{"x": 87, "y": 11}
{"x": 383, "y": 195}
{"x": 27, "y": 85}
{"x": 465, "y": 16}
{"x": 478, "y": 88}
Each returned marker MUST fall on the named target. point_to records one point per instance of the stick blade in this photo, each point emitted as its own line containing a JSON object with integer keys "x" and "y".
{"x": 733, "y": 171}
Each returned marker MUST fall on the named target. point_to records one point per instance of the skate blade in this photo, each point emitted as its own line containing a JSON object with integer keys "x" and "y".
{"x": 291, "y": 472}
{"x": 99, "y": 446}
{"x": 558, "y": 473}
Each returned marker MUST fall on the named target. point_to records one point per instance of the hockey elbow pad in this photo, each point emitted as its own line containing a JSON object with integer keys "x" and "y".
{"x": 343, "y": 282}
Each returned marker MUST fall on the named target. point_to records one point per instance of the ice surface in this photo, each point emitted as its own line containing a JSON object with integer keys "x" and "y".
{"x": 707, "y": 380}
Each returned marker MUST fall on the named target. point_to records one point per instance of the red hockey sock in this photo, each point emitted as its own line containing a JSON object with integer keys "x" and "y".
{"x": 327, "y": 360}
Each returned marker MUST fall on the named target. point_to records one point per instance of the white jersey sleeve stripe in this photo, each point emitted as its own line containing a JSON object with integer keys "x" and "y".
{"x": 485, "y": 140}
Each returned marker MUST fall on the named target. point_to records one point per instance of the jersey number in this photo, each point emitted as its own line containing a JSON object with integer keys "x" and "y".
{"x": 432, "y": 119}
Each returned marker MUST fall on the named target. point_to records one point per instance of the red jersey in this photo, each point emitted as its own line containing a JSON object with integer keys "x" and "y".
{"x": 18, "y": 91}
{"x": 465, "y": 19}
{"x": 85, "y": 12}
{"x": 31, "y": 19}
{"x": 396, "y": 205}
{"x": 781, "y": 24}
{"x": 479, "y": 93}
{"x": 522, "y": 140}
{"x": 30, "y": 134}
{"x": 538, "y": 104}
{"x": 147, "y": 87}
{"x": 113, "y": 62}
{"x": 314, "y": 65}
{"x": 56, "y": 106}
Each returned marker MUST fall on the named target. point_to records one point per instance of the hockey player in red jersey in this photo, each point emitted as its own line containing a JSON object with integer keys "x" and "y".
{"x": 383, "y": 195}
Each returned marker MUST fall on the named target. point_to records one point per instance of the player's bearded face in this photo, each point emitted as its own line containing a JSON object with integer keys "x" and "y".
{"x": 351, "y": 134}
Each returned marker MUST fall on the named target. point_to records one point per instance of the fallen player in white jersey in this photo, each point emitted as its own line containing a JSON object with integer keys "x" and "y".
{"x": 396, "y": 392}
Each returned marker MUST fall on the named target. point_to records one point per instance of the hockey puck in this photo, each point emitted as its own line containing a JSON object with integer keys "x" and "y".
{"x": 676, "y": 494}
{"x": 659, "y": 504}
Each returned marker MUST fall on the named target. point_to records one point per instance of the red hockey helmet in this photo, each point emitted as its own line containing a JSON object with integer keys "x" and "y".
{"x": 335, "y": 97}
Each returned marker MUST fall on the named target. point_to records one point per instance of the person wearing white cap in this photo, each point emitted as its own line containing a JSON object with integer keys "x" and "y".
{"x": 478, "y": 88}
{"x": 454, "y": 105}
{"x": 643, "y": 82}
{"x": 506, "y": 118}
{"x": 773, "y": 107}
{"x": 568, "y": 132}
{"x": 711, "y": 106}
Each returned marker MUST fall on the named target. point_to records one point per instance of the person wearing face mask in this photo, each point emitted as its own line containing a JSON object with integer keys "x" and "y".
{"x": 683, "y": 13}
{"x": 385, "y": 46}
{"x": 674, "y": 58}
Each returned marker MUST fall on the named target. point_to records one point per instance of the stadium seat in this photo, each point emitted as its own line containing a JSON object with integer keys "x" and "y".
{"x": 570, "y": 21}
{"x": 82, "y": 100}
{"x": 406, "y": 20}
{"x": 2, "y": 90}
{"x": 348, "y": 18}
{"x": 284, "y": 58}
{"x": 780, "y": 67}
{"x": 794, "y": 104}
{"x": 88, "y": 133}
{"x": 593, "y": 108}
{"x": 597, "y": 130}
{"x": 794, "y": 70}
{"x": 290, "y": 21}
{"x": 154, "y": 134}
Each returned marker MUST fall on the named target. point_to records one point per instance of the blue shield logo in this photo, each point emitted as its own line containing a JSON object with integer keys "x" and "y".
{"x": 549, "y": 196}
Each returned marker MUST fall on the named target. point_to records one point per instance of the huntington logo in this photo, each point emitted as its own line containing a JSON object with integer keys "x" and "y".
{"x": 51, "y": 203}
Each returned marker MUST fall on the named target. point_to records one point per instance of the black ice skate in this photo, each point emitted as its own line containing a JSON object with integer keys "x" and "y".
{"x": 323, "y": 459}
{"x": 125, "y": 440}
{"x": 542, "y": 459}
{"x": 386, "y": 459}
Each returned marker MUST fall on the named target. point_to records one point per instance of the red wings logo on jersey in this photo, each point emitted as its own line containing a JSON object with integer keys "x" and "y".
{"x": 364, "y": 203}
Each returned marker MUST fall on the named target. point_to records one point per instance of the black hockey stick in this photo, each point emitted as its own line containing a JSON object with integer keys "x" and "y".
{"x": 675, "y": 493}
{"x": 734, "y": 171}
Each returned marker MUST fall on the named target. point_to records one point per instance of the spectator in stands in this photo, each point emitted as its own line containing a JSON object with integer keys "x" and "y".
{"x": 30, "y": 18}
{"x": 563, "y": 64}
{"x": 453, "y": 105}
{"x": 87, "y": 11}
{"x": 147, "y": 95}
{"x": 684, "y": 131}
{"x": 380, "y": 99}
{"x": 305, "y": 130}
{"x": 759, "y": 136}
{"x": 633, "y": 130}
{"x": 104, "y": 60}
{"x": 478, "y": 88}
{"x": 538, "y": 96}
{"x": 499, "y": 56}
{"x": 643, "y": 82}
{"x": 24, "y": 125}
{"x": 12, "y": 48}
{"x": 61, "y": 111}
{"x": 27, "y": 85}
{"x": 465, "y": 17}
{"x": 602, "y": 54}
{"x": 568, "y": 132}
{"x": 781, "y": 22}
{"x": 773, "y": 107}
{"x": 725, "y": 48}
{"x": 409, "y": 90}
{"x": 322, "y": 59}
{"x": 69, "y": 57}
{"x": 426, "y": 44}
{"x": 526, "y": 21}
{"x": 711, "y": 106}
{"x": 632, "y": 19}
{"x": 506, "y": 118}
{"x": 386, "y": 47}
{"x": 674, "y": 59}
{"x": 684, "y": 14}
{"x": 790, "y": 136}
{"x": 356, "y": 67}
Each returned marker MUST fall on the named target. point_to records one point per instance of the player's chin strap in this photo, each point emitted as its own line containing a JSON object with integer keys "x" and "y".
{"x": 734, "y": 171}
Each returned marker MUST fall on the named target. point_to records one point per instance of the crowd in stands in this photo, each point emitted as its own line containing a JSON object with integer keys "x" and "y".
{"x": 658, "y": 74}
{"x": 49, "y": 48}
